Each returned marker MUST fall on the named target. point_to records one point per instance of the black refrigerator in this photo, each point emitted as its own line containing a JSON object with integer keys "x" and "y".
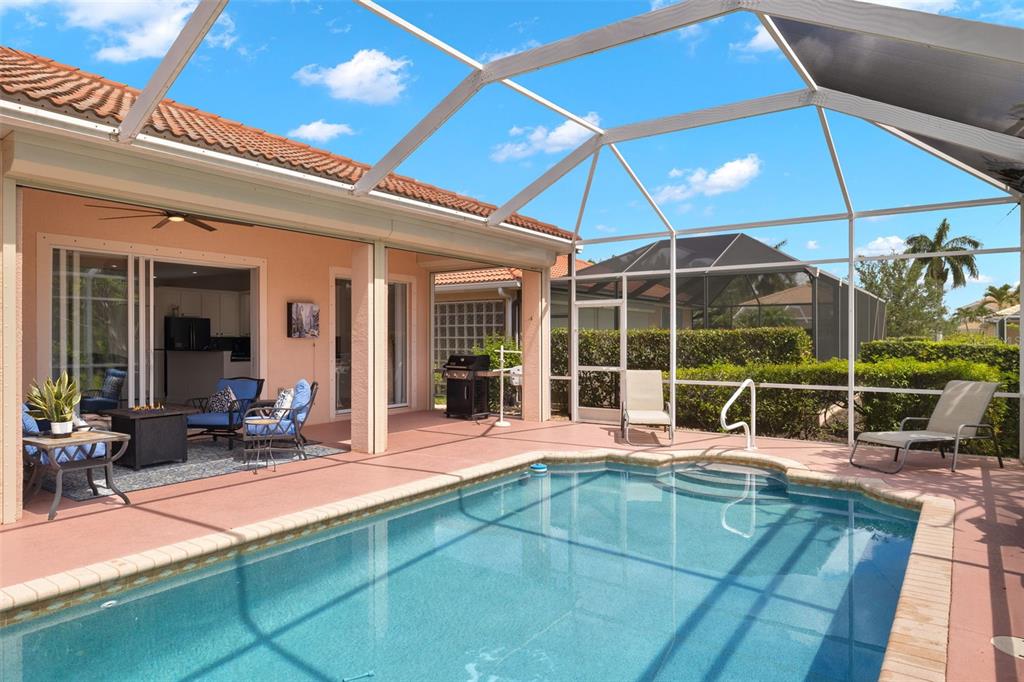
{"x": 186, "y": 333}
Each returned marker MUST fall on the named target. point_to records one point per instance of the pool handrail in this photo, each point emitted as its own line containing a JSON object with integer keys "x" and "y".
{"x": 749, "y": 430}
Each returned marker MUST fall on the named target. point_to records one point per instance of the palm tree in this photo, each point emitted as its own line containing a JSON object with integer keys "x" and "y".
{"x": 1002, "y": 296}
{"x": 939, "y": 268}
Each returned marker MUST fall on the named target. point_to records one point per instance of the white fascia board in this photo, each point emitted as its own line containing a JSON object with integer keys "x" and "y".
{"x": 931, "y": 30}
{"x": 184, "y": 46}
{"x": 710, "y": 116}
{"x": 476, "y": 286}
{"x": 998, "y": 144}
{"x": 426, "y": 127}
{"x": 570, "y": 161}
{"x": 611, "y": 35}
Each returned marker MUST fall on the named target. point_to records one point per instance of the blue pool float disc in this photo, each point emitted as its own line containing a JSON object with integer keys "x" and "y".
{"x": 539, "y": 468}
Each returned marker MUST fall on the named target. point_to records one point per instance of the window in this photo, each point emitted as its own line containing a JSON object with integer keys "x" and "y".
{"x": 461, "y": 325}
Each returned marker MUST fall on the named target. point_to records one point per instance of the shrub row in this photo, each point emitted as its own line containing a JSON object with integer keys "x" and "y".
{"x": 797, "y": 413}
{"x": 815, "y": 414}
{"x": 649, "y": 348}
{"x": 981, "y": 349}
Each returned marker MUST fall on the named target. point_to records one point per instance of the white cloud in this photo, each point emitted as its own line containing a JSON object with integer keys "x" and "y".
{"x": 538, "y": 139}
{"x": 335, "y": 26}
{"x": 605, "y": 229}
{"x": 370, "y": 77}
{"x": 131, "y": 30}
{"x": 501, "y": 54}
{"x": 761, "y": 41}
{"x": 980, "y": 279}
{"x": 677, "y": 172}
{"x": 320, "y": 131}
{"x": 729, "y": 177}
{"x": 883, "y": 246}
{"x": 223, "y": 33}
{"x": 812, "y": 245}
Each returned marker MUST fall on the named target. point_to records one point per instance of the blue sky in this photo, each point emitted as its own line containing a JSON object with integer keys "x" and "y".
{"x": 341, "y": 78}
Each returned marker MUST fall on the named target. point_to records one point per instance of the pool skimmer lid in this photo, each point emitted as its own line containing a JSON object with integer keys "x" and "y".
{"x": 1010, "y": 645}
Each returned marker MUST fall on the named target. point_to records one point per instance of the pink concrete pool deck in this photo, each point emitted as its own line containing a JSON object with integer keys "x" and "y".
{"x": 988, "y": 546}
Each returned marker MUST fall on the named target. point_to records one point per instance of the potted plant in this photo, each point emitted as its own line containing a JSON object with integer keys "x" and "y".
{"x": 55, "y": 402}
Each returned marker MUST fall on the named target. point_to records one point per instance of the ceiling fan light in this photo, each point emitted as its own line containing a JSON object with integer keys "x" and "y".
{"x": 176, "y": 218}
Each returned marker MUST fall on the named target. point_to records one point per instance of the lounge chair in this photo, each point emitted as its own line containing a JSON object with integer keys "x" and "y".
{"x": 106, "y": 398}
{"x": 265, "y": 426}
{"x": 645, "y": 404}
{"x": 225, "y": 423}
{"x": 956, "y": 417}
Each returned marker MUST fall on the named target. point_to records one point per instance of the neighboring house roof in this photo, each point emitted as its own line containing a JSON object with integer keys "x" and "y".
{"x": 1006, "y": 313}
{"x": 44, "y": 83}
{"x": 495, "y": 275}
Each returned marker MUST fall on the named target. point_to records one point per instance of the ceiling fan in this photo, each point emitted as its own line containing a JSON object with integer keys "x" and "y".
{"x": 165, "y": 217}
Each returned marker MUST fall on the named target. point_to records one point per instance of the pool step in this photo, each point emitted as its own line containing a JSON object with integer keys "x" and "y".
{"x": 726, "y": 482}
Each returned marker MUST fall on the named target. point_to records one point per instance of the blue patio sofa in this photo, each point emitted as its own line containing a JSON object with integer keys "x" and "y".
{"x": 246, "y": 390}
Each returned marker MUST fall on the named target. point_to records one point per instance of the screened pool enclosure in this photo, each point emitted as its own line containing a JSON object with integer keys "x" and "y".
{"x": 755, "y": 285}
{"x": 950, "y": 88}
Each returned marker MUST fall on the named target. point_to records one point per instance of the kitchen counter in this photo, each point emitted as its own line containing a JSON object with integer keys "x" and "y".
{"x": 194, "y": 374}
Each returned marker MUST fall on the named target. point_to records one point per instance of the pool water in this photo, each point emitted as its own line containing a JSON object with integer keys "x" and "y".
{"x": 704, "y": 573}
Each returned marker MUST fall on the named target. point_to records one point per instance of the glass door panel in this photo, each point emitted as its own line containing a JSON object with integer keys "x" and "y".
{"x": 343, "y": 345}
{"x": 398, "y": 343}
{"x": 90, "y": 304}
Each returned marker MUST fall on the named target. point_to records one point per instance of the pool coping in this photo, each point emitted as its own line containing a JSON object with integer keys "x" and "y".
{"x": 918, "y": 640}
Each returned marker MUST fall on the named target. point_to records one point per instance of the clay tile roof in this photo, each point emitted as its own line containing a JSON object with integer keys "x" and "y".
{"x": 46, "y": 84}
{"x": 484, "y": 275}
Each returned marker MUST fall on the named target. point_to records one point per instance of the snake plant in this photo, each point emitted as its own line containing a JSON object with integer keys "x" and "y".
{"x": 55, "y": 400}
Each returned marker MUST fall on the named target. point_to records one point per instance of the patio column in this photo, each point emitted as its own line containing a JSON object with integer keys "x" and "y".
{"x": 10, "y": 352}
{"x": 536, "y": 331}
{"x": 369, "y": 348}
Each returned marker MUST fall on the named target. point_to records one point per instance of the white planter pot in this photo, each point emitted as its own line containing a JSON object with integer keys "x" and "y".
{"x": 61, "y": 428}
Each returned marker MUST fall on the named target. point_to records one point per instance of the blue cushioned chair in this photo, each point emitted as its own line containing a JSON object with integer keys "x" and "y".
{"x": 246, "y": 390}
{"x": 88, "y": 457}
{"x": 286, "y": 422}
{"x": 106, "y": 398}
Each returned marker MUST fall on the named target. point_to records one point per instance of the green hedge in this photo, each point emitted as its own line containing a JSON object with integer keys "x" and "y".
{"x": 981, "y": 349}
{"x": 795, "y": 413}
{"x": 649, "y": 349}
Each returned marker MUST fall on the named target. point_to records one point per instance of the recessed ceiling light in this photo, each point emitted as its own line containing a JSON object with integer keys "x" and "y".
{"x": 195, "y": 272}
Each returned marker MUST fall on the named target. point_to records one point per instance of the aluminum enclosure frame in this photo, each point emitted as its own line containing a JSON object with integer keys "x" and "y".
{"x": 933, "y": 31}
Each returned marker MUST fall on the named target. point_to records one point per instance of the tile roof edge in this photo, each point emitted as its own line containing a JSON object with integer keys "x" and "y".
{"x": 524, "y": 222}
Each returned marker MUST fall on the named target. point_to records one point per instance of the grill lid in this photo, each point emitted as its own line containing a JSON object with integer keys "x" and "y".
{"x": 473, "y": 363}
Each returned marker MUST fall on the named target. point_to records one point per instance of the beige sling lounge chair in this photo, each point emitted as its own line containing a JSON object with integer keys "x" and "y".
{"x": 956, "y": 417}
{"x": 645, "y": 403}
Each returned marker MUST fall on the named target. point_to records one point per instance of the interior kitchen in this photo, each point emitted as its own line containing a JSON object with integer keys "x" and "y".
{"x": 203, "y": 321}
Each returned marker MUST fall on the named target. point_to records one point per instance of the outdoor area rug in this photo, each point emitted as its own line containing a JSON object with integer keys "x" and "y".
{"x": 205, "y": 459}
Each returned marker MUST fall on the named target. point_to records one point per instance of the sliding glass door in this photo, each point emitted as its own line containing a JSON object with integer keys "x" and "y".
{"x": 102, "y": 320}
{"x": 397, "y": 344}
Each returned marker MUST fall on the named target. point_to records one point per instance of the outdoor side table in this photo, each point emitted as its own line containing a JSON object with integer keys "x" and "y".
{"x": 116, "y": 443}
{"x": 256, "y": 445}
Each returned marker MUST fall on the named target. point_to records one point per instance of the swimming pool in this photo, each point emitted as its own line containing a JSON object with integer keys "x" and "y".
{"x": 589, "y": 573}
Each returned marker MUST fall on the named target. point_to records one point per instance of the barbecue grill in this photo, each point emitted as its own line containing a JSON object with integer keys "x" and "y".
{"x": 467, "y": 389}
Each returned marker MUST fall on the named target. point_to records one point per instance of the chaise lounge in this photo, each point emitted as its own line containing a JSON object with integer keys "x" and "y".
{"x": 956, "y": 417}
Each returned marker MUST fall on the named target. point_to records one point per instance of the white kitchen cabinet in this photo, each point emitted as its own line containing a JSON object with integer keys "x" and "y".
{"x": 191, "y": 304}
{"x": 211, "y": 309}
{"x": 229, "y": 317}
{"x": 244, "y": 314}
